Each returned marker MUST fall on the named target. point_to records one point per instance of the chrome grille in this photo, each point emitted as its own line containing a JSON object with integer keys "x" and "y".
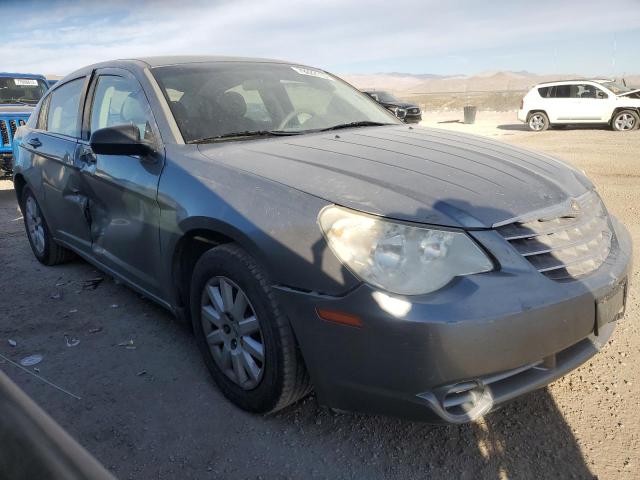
{"x": 572, "y": 243}
{"x": 8, "y": 127}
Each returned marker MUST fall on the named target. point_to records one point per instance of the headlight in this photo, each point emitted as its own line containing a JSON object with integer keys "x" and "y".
{"x": 398, "y": 112}
{"x": 397, "y": 257}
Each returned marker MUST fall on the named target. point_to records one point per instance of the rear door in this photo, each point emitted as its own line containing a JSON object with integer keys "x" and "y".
{"x": 560, "y": 105}
{"x": 122, "y": 190}
{"x": 52, "y": 146}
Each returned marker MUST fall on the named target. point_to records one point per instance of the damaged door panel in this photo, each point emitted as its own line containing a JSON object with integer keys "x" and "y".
{"x": 122, "y": 208}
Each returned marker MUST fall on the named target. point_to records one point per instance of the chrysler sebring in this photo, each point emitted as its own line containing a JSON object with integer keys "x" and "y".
{"x": 315, "y": 242}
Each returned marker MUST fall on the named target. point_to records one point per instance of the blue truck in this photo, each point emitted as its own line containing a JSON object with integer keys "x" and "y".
{"x": 19, "y": 94}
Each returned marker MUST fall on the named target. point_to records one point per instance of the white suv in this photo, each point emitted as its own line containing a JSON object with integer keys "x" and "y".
{"x": 581, "y": 101}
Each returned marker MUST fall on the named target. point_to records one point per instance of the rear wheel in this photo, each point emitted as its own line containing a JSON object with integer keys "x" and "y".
{"x": 44, "y": 247}
{"x": 538, "y": 122}
{"x": 625, "y": 120}
{"x": 247, "y": 343}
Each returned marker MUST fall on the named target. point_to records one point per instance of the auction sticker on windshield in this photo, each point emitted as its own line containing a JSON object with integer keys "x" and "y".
{"x": 311, "y": 73}
{"x": 24, "y": 82}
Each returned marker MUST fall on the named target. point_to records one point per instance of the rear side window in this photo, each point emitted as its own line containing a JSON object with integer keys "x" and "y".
{"x": 42, "y": 115}
{"x": 62, "y": 116}
{"x": 544, "y": 92}
{"x": 562, "y": 91}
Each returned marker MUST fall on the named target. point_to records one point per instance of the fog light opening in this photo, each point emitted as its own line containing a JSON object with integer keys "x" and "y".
{"x": 468, "y": 399}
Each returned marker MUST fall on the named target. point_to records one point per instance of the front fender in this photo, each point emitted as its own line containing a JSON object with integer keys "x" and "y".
{"x": 274, "y": 223}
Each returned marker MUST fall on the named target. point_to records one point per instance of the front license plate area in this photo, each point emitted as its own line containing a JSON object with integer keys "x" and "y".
{"x": 611, "y": 307}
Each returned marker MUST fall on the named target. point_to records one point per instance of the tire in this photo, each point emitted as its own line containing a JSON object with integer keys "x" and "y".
{"x": 43, "y": 246}
{"x": 538, "y": 122}
{"x": 625, "y": 121}
{"x": 283, "y": 378}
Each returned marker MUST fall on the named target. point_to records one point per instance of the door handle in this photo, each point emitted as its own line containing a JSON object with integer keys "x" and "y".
{"x": 34, "y": 142}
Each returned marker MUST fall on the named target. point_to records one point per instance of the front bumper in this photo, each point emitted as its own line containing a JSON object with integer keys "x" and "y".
{"x": 416, "y": 118}
{"x": 493, "y": 336}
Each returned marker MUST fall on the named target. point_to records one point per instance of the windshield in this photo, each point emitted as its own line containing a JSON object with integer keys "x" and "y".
{"x": 210, "y": 100}
{"x": 616, "y": 87}
{"x": 21, "y": 90}
{"x": 386, "y": 97}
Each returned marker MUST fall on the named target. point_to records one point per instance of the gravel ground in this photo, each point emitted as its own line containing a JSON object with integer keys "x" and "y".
{"x": 152, "y": 412}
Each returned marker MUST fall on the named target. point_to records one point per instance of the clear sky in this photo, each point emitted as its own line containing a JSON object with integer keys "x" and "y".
{"x": 590, "y": 37}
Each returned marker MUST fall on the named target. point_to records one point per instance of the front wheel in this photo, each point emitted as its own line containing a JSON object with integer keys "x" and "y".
{"x": 247, "y": 343}
{"x": 538, "y": 122}
{"x": 625, "y": 120}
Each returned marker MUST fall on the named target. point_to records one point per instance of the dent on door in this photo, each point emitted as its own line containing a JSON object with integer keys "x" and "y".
{"x": 124, "y": 216}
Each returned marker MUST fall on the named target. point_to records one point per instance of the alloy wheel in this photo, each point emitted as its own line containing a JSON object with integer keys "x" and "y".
{"x": 35, "y": 227}
{"x": 625, "y": 121}
{"x": 537, "y": 122}
{"x": 232, "y": 330}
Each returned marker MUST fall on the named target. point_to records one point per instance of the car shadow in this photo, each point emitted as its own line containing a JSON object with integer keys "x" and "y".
{"x": 521, "y": 127}
{"x": 527, "y": 438}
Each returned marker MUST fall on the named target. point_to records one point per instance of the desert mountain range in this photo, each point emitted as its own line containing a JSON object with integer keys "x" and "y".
{"x": 407, "y": 84}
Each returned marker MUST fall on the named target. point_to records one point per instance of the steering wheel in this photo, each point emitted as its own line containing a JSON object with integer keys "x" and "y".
{"x": 291, "y": 115}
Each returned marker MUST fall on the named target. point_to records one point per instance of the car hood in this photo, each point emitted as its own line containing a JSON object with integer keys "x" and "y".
{"x": 407, "y": 105}
{"x": 632, "y": 93}
{"x": 16, "y": 109}
{"x": 399, "y": 104}
{"x": 414, "y": 174}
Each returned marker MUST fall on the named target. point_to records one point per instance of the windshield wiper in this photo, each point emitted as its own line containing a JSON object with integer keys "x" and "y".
{"x": 11, "y": 101}
{"x": 24, "y": 101}
{"x": 363, "y": 123}
{"x": 257, "y": 133}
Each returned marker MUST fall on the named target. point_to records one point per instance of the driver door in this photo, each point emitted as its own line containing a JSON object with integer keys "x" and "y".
{"x": 122, "y": 190}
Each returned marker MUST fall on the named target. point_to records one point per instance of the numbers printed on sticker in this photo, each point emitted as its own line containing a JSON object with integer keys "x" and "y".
{"x": 25, "y": 82}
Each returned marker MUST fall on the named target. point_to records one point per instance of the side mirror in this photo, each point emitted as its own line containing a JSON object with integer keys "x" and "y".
{"x": 118, "y": 140}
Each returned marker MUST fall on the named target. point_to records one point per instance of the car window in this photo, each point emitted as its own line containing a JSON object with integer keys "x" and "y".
{"x": 64, "y": 102}
{"x": 42, "y": 115}
{"x": 562, "y": 91}
{"x": 545, "y": 92}
{"x": 256, "y": 109}
{"x": 221, "y": 99}
{"x": 21, "y": 90}
{"x": 120, "y": 101}
{"x": 589, "y": 91}
{"x": 307, "y": 99}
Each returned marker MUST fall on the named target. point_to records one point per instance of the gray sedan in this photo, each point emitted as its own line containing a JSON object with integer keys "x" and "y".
{"x": 314, "y": 242}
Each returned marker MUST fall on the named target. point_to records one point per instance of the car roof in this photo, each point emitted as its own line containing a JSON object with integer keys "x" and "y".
{"x": 161, "y": 61}
{"x": 185, "y": 59}
{"x": 22, "y": 75}
{"x": 569, "y": 82}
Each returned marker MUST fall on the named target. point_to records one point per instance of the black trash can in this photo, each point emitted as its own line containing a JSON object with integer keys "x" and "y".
{"x": 470, "y": 114}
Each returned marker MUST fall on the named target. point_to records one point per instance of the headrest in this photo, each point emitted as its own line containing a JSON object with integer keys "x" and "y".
{"x": 233, "y": 104}
{"x": 133, "y": 110}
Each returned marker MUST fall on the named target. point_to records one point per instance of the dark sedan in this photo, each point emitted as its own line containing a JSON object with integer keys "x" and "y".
{"x": 314, "y": 241}
{"x": 409, "y": 112}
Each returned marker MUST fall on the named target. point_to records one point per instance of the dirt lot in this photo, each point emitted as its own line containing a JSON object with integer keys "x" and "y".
{"x": 152, "y": 412}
